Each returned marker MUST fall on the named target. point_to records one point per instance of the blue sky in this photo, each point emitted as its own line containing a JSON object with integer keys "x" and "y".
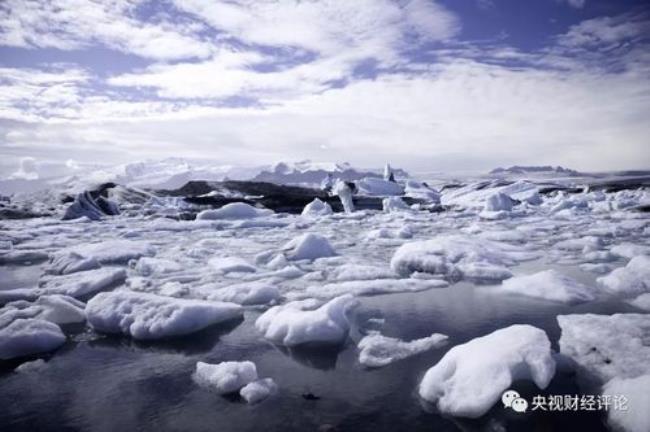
{"x": 428, "y": 85}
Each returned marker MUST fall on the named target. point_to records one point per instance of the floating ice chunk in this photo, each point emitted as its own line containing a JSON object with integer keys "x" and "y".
{"x": 415, "y": 189}
{"x": 67, "y": 262}
{"x": 589, "y": 242}
{"x": 630, "y": 250}
{"x": 58, "y": 309}
{"x": 85, "y": 205}
{"x": 394, "y": 204}
{"x": 147, "y": 266}
{"x": 24, "y": 337}
{"x": 498, "y": 202}
{"x": 630, "y": 280}
{"x": 148, "y": 316}
{"x": 377, "y": 350}
{"x": 317, "y": 208}
{"x": 258, "y": 390}
{"x": 596, "y": 268}
{"x": 237, "y": 210}
{"x": 373, "y": 287}
{"x": 348, "y": 272}
{"x": 114, "y": 251}
{"x": 31, "y": 366}
{"x": 225, "y": 377}
{"x": 343, "y": 191}
{"x": 294, "y": 324}
{"x": 375, "y": 186}
{"x": 247, "y": 293}
{"x": 484, "y": 271}
{"x": 549, "y": 285}
{"x": 607, "y": 346}
{"x": 471, "y": 377}
{"x": 83, "y": 283}
{"x": 22, "y": 257}
{"x": 642, "y": 302}
{"x": 636, "y": 417}
{"x": 447, "y": 255}
{"x": 308, "y": 247}
{"x": 231, "y": 265}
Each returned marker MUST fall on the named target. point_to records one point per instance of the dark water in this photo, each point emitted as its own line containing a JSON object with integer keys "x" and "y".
{"x": 97, "y": 383}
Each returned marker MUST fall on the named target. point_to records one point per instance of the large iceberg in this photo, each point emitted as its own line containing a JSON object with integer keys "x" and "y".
{"x": 471, "y": 377}
{"x": 148, "y": 316}
{"x": 377, "y": 350}
{"x": 607, "y": 346}
{"x": 300, "y": 322}
{"x": 549, "y": 285}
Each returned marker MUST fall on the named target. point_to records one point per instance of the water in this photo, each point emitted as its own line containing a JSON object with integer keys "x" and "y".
{"x": 99, "y": 383}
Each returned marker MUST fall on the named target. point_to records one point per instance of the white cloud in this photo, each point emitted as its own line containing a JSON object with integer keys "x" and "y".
{"x": 75, "y": 24}
{"x": 578, "y": 4}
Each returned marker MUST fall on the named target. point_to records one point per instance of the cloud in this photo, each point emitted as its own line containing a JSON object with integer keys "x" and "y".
{"x": 578, "y": 4}
{"x": 77, "y": 24}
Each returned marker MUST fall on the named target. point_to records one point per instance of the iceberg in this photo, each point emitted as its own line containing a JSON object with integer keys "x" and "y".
{"x": 471, "y": 377}
{"x": 300, "y": 322}
{"x": 225, "y": 377}
{"x": 146, "y": 316}
{"x": 377, "y": 350}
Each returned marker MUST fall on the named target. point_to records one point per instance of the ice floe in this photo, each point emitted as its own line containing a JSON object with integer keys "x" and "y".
{"x": 471, "y": 377}
{"x": 231, "y": 265}
{"x": 317, "y": 208}
{"x": 22, "y": 337}
{"x": 607, "y": 346}
{"x": 148, "y": 316}
{"x": 636, "y": 415}
{"x": 225, "y": 377}
{"x": 308, "y": 246}
{"x": 58, "y": 309}
{"x": 633, "y": 279}
{"x": 394, "y": 204}
{"x": 549, "y": 285}
{"x": 237, "y": 210}
{"x": 377, "y": 350}
{"x": 247, "y": 293}
{"x": 71, "y": 262}
{"x": 258, "y": 390}
{"x": 114, "y": 251}
{"x": 301, "y": 322}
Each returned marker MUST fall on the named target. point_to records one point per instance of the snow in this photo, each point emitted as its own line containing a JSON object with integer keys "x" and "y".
{"x": 549, "y": 285}
{"x": 317, "y": 208}
{"x": 225, "y": 377}
{"x": 378, "y": 187}
{"x": 58, "y": 309}
{"x": 636, "y": 417}
{"x": 258, "y": 390}
{"x": 70, "y": 262}
{"x": 633, "y": 279}
{"x": 300, "y": 322}
{"x": 394, "y": 204}
{"x": 453, "y": 256}
{"x": 415, "y": 189}
{"x": 237, "y": 210}
{"x": 471, "y": 377}
{"x": 308, "y": 246}
{"x": 498, "y": 202}
{"x": 377, "y": 350}
{"x": 22, "y": 337}
{"x": 247, "y": 293}
{"x": 607, "y": 346}
{"x": 148, "y": 316}
{"x": 231, "y": 265}
{"x": 114, "y": 251}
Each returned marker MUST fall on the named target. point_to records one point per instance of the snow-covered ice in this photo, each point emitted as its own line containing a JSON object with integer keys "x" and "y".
{"x": 258, "y": 390}
{"x": 549, "y": 285}
{"x": 607, "y": 346}
{"x": 225, "y": 377}
{"x": 149, "y": 316}
{"x": 238, "y": 210}
{"x": 377, "y": 350}
{"x": 27, "y": 336}
{"x": 636, "y": 416}
{"x": 630, "y": 280}
{"x": 247, "y": 293}
{"x": 55, "y": 308}
{"x": 471, "y": 377}
{"x": 301, "y": 322}
{"x": 317, "y": 208}
{"x": 308, "y": 246}
{"x": 231, "y": 265}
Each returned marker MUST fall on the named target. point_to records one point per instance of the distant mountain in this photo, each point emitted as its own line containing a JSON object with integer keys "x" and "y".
{"x": 545, "y": 169}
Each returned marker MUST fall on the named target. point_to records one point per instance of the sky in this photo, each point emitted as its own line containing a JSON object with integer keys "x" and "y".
{"x": 447, "y": 85}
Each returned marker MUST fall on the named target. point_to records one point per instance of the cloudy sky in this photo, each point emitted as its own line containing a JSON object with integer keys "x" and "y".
{"x": 428, "y": 85}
